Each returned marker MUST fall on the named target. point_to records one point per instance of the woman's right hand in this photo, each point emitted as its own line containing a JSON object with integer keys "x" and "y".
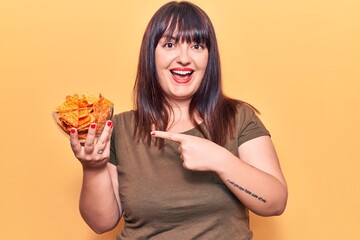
{"x": 91, "y": 154}
{"x": 99, "y": 198}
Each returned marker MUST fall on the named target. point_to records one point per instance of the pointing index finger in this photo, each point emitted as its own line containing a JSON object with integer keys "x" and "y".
{"x": 175, "y": 137}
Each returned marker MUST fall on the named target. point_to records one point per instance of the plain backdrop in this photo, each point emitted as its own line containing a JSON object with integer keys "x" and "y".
{"x": 296, "y": 61}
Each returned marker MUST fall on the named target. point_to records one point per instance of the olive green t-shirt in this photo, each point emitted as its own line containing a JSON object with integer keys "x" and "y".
{"x": 163, "y": 200}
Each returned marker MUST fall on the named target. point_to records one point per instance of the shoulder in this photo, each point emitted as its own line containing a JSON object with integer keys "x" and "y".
{"x": 248, "y": 123}
{"x": 124, "y": 116}
{"x": 245, "y": 111}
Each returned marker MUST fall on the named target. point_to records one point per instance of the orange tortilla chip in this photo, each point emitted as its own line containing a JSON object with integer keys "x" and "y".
{"x": 79, "y": 111}
{"x": 90, "y": 99}
{"x": 70, "y": 118}
{"x": 84, "y": 112}
{"x": 85, "y": 122}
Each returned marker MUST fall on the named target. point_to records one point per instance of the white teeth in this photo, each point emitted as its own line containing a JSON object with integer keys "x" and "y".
{"x": 182, "y": 72}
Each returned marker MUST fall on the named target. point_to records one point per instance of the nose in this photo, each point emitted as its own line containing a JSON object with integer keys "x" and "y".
{"x": 183, "y": 58}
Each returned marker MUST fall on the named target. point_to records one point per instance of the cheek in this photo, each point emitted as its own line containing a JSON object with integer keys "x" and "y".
{"x": 158, "y": 65}
{"x": 205, "y": 63}
{"x": 202, "y": 61}
{"x": 163, "y": 58}
{"x": 156, "y": 58}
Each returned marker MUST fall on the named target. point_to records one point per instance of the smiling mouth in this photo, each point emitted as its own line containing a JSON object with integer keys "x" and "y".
{"x": 182, "y": 76}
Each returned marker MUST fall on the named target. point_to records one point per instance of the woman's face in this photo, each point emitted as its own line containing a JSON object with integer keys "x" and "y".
{"x": 180, "y": 68}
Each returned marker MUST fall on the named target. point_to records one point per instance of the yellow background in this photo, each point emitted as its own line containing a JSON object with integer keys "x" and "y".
{"x": 297, "y": 61}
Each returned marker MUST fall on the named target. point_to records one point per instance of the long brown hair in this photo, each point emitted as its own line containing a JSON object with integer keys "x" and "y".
{"x": 209, "y": 102}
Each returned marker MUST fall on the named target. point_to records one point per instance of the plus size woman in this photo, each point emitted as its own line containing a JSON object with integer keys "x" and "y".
{"x": 187, "y": 162}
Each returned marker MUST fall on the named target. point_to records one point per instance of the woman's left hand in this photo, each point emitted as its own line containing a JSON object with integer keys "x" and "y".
{"x": 198, "y": 154}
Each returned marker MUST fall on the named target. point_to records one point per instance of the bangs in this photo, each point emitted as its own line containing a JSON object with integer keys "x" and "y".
{"x": 185, "y": 24}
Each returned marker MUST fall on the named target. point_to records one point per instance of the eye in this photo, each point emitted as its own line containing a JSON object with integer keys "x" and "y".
{"x": 198, "y": 46}
{"x": 168, "y": 45}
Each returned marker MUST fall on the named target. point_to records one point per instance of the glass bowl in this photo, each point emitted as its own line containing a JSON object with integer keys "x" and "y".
{"x": 81, "y": 119}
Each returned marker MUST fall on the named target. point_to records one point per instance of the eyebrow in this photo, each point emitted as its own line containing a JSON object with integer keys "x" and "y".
{"x": 169, "y": 37}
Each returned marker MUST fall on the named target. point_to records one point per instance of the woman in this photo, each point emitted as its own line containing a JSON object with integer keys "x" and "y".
{"x": 188, "y": 162}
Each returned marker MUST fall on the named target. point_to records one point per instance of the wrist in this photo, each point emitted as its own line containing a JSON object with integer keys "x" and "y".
{"x": 97, "y": 166}
{"x": 226, "y": 164}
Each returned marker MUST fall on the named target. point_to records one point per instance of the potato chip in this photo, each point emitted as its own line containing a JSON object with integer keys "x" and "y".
{"x": 79, "y": 111}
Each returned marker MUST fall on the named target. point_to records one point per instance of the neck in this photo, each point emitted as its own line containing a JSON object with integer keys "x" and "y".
{"x": 180, "y": 120}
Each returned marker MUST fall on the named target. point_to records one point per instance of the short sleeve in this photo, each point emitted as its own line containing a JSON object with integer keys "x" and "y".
{"x": 122, "y": 138}
{"x": 249, "y": 125}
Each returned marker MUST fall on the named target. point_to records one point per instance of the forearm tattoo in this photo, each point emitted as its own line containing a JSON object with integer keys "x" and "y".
{"x": 247, "y": 191}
